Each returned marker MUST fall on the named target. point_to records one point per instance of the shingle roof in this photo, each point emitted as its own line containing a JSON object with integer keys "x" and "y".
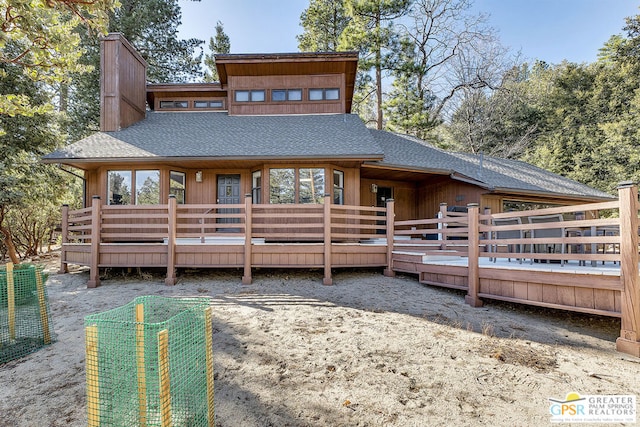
{"x": 218, "y": 135}
{"x": 495, "y": 173}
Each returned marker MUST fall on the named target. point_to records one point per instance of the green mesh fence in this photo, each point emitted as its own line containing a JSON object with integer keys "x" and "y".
{"x": 150, "y": 363}
{"x": 24, "y": 311}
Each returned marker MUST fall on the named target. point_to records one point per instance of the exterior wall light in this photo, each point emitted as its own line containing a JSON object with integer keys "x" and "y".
{"x": 199, "y": 176}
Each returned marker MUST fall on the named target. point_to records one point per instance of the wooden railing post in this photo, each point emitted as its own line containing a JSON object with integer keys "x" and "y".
{"x": 629, "y": 340}
{"x": 248, "y": 229}
{"x": 327, "y": 280}
{"x": 64, "y": 268}
{"x": 171, "y": 240}
{"x": 487, "y": 235}
{"x": 390, "y": 233}
{"x": 96, "y": 226}
{"x": 473, "y": 275}
{"x": 443, "y": 226}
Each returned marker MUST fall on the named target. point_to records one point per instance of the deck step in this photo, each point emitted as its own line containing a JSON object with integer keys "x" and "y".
{"x": 426, "y": 256}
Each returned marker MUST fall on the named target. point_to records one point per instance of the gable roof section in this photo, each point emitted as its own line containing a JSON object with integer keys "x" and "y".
{"x": 495, "y": 174}
{"x": 212, "y": 135}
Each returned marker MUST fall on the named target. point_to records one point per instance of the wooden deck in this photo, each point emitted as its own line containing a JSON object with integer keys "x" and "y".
{"x": 591, "y": 266}
{"x": 575, "y": 287}
{"x": 243, "y": 236}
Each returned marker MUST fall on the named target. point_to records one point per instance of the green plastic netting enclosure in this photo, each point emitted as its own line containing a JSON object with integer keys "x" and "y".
{"x": 24, "y": 311}
{"x": 150, "y": 363}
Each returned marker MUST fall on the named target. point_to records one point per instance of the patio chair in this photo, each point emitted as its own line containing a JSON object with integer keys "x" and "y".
{"x": 546, "y": 233}
{"x": 508, "y": 234}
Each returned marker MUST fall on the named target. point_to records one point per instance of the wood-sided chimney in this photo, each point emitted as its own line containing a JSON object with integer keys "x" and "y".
{"x": 123, "y": 84}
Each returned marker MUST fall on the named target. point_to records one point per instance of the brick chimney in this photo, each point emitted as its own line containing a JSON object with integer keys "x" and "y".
{"x": 123, "y": 84}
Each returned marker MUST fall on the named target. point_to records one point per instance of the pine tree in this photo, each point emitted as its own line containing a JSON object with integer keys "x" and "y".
{"x": 372, "y": 33}
{"x": 323, "y": 22}
{"x": 39, "y": 38}
{"x": 25, "y": 138}
{"x": 152, "y": 27}
{"x": 218, "y": 44}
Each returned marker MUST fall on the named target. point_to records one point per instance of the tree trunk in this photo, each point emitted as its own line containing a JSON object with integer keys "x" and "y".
{"x": 8, "y": 242}
{"x": 379, "y": 72}
{"x": 379, "y": 95}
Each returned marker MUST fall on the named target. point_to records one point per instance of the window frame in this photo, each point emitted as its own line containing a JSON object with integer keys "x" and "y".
{"x": 324, "y": 92}
{"x": 183, "y": 199}
{"x": 136, "y": 189}
{"x": 338, "y": 188}
{"x": 175, "y": 104}
{"x": 287, "y": 95}
{"x": 219, "y": 104}
{"x": 256, "y": 189}
{"x": 131, "y": 179}
{"x": 296, "y": 180}
{"x": 271, "y": 187}
{"x": 250, "y": 95}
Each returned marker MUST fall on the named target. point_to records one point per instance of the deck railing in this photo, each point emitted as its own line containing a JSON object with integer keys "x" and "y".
{"x": 588, "y": 233}
{"x": 134, "y": 224}
{"x": 591, "y": 233}
{"x": 241, "y": 224}
{"x": 204, "y": 221}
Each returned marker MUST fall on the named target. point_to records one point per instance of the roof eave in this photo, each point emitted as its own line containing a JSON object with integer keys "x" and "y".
{"x": 434, "y": 171}
{"x": 577, "y": 197}
{"x": 79, "y": 160}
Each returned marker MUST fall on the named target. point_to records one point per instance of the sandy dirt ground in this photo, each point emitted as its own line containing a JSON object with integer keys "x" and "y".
{"x": 368, "y": 351}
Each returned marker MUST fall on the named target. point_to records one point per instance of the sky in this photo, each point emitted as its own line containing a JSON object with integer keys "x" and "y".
{"x": 549, "y": 30}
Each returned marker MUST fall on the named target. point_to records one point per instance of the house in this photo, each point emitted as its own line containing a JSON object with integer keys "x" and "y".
{"x": 279, "y": 127}
{"x": 269, "y": 168}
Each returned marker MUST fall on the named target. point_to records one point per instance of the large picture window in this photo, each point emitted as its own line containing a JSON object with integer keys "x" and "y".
{"x": 147, "y": 187}
{"x": 119, "y": 187}
{"x": 311, "y": 185}
{"x": 291, "y": 185}
{"x": 140, "y": 187}
{"x": 282, "y": 186}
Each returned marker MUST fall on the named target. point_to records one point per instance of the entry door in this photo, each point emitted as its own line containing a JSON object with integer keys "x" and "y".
{"x": 229, "y": 194}
{"x": 383, "y": 194}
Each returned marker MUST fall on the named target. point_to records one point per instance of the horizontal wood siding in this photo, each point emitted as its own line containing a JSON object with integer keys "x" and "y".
{"x": 587, "y": 293}
{"x": 346, "y": 255}
{"x": 288, "y": 255}
{"x": 79, "y": 254}
{"x": 209, "y": 255}
{"x": 130, "y": 255}
{"x": 454, "y": 277}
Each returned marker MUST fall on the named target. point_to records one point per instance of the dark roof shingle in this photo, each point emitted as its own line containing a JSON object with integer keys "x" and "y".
{"x": 218, "y": 135}
{"x": 494, "y": 173}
